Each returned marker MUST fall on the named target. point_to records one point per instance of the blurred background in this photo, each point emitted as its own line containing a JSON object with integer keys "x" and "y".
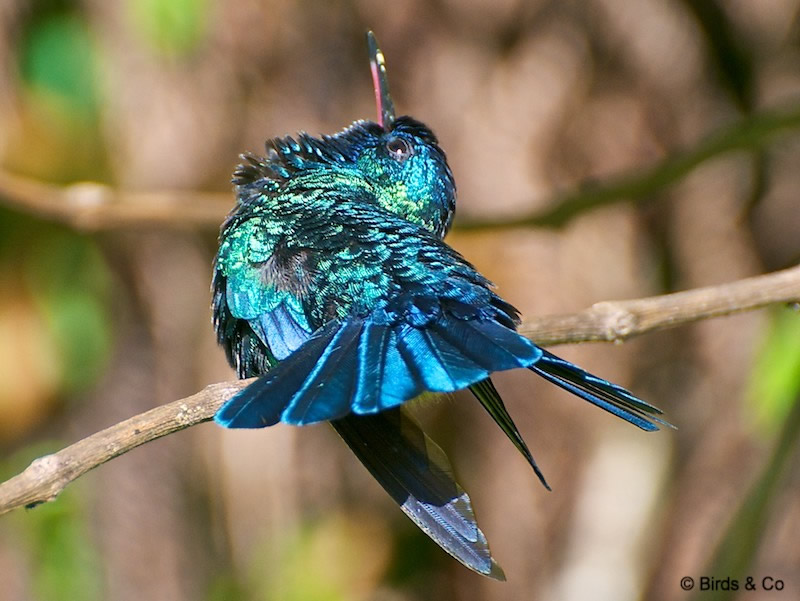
{"x": 534, "y": 101}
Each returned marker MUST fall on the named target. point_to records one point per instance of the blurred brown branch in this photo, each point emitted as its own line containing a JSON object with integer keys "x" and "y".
{"x": 752, "y": 132}
{"x": 47, "y": 476}
{"x": 95, "y": 206}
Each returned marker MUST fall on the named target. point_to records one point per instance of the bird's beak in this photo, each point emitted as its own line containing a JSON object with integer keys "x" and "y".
{"x": 382, "y": 97}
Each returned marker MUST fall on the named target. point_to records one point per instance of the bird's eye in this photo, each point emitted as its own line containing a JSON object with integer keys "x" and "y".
{"x": 399, "y": 149}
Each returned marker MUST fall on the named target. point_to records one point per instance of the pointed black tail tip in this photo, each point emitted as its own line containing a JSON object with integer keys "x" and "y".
{"x": 656, "y": 423}
{"x": 668, "y": 425}
{"x": 650, "y": 423}
{"x": 539, "y": 474}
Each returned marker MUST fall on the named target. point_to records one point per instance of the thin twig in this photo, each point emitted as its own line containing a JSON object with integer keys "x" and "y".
{"x": 95, "y": 206}
{"x": 615, "y": 321}
{"x": 749, "y": 133}
{"x": 47, "y": 476}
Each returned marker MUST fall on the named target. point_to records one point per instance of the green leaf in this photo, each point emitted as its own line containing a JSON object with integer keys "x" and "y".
{"x": 739, "y": 546}
{"x": 58, "y": 59}
{"x": 172, "y": 27}
{"x": 774, "y": 384}
{"x": 774, "y": 390}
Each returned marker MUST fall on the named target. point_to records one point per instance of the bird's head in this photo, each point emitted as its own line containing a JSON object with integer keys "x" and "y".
{"x": 396, "y": 161}
{"x": 403, "y": 161}
{"x": 408, "y": 172}
{"x": 401, "y": 168}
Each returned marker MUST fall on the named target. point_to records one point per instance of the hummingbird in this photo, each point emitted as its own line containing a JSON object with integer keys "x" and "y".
{"x": 333, "y": 285}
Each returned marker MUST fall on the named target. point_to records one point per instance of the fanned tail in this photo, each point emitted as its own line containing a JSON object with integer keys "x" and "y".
{"x": 364, "y": 366}
{"x": 488, "y": 396}
{"x": 610, "y": 397}
{"x": 417, "y": 475}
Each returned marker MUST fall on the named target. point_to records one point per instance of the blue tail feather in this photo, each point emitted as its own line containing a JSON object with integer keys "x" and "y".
{"x": 283, "y": 329}
{"x": 372, "y": 348}
{"x": 488, "y": 396}
{"x": 489, "y": 344}
{"x": 328, "y": 389}
{"x": 253, "y": 407}
{"x": 610, "y": 397}
{"x": 398, "y": 384}
{"x": 434, "y": 361}
{"x": 365, "y": 367}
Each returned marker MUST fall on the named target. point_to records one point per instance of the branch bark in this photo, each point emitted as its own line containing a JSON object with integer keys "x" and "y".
{"x": 45, "y": 478}
{"x": 616, "y": 321}
{"x": 610, "y": 321}
{"x": 95, "y": 206}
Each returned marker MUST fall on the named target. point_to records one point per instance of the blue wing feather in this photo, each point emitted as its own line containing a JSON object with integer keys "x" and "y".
{"x": 417, "y": 475}
{"x": 282, "y": 328}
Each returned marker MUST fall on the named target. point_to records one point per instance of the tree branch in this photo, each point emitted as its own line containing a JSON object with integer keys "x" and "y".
{"x": 95, "y": 206}
{"x": 613, "y": 321}
{"x": 47, "y": 476}
{"x": 749, "y": 133}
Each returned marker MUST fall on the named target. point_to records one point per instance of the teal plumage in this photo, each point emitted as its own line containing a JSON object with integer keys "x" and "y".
{"x": 333, "y": 284}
